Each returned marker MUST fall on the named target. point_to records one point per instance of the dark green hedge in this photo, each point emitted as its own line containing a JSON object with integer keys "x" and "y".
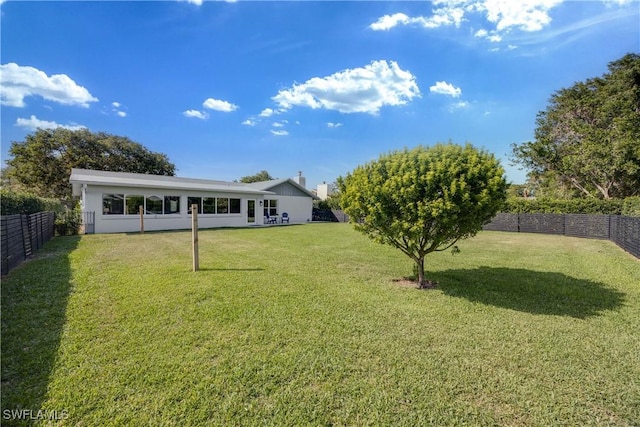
{"x": 67, "y": 220}
{"x": 17, "y": 203}
{"x": 631, "y": 206}
{"x": 580, "y": 206}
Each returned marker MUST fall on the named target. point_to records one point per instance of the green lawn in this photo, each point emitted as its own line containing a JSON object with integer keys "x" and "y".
{"x": 308, "y": 325}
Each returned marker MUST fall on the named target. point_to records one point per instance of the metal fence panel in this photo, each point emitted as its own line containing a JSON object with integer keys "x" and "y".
{"x": 13, "y": 250}
{"x": 622, "y": 230}
{"x": 323, "y": 215}
{"x": 503, "y": 222}
{"x": 585, "y": 225}
{"x": 23, "y": 235}
{"x": 625, "y": 232}
{"x": 542, "y": 223}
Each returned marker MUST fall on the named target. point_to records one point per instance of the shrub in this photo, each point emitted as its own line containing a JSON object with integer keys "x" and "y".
{"x": 425, "y": 199}
{"x": 580, "y": 206}
{"x": 631, "y": 206}
{"x": 68, "y": 221}
{"x": 26, "y": 204}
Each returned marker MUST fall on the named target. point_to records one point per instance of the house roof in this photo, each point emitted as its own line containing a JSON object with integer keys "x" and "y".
{"x": 126, "y": 179}
{"x": 268, "y": 185}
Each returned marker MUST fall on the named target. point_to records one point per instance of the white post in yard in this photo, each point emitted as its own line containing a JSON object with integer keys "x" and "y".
{"x": 194, "y": 237}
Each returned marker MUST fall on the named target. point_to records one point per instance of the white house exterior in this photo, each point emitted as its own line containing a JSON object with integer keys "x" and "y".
{"x": 324, "y": 191}
{"x": 116, "y": 197}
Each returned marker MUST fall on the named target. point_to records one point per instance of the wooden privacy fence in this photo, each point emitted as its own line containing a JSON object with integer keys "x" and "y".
{"x": 622, "y": 230}
{"x": 23, "y": 235}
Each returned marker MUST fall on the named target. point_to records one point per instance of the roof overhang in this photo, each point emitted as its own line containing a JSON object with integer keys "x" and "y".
{"x": 267, "y": 185}
{"x": 160, "y": 182}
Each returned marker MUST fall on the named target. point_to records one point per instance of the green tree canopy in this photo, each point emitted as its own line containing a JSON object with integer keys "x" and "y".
{"x": 260, "y": 176}
{"x": 42, "y": 163}
{"x": 425, "y": 199}
{"x": 589, "y": 135}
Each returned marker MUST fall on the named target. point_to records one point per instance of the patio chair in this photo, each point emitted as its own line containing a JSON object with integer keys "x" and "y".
{"x": 271, "y": 219}
{"x": 285, "y": 217}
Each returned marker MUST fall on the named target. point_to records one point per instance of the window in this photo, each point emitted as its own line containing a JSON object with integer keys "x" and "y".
{"x": 194, "y": 201}
{"x": 209, "y": 205}
{"x": 113, "y": 204}
{"x": 270, "y": 207}
{"x": 133, "y": 204}
{"x": 129, "y": 204}
{"x": 154, "y": 205}
{"x": 171, "y": 204}
{"x": 234, "y": 206}
{"x": 222, "y": 207}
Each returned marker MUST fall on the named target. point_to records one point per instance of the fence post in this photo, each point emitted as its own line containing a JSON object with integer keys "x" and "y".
{"x": 194, "y": 237}
{"x": 141, "y": 210}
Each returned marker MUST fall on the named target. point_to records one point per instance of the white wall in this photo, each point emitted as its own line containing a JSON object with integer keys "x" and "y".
{"x": 131, "y": 223}
{"x": 323, "y": 191}
{"x": 298, "y": 208}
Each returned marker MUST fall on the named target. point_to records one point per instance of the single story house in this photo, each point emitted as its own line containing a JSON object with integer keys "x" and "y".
{"x": 113, "y": 199}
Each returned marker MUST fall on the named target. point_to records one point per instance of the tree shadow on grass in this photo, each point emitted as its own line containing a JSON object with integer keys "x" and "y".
{"x": 530, "y": 291}
{"x": 34, "y": 304}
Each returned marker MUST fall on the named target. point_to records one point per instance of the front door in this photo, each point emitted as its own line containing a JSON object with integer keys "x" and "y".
{"x": 251, "y": 211}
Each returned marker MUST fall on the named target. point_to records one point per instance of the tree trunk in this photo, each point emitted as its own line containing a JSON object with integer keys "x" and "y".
{"x": 420, "y": 265}
{"x": 423, "y": 283}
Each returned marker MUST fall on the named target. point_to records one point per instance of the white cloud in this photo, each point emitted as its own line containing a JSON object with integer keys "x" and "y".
{"x": 196, "y": 2}
{"x": 33, "y": 123}
{"x": 357, "y": 90}
{"x": 444, "y": 16}
{"x": 492, "y": 36}
{"x": 116, "y": 109}
{"x": 18, "y": 82}
{"x": 279, "y": 132}
{"x": 458, "y": 106}
{"x": 526, "y": 15}
{"x": 277, "y": 124}
{"x": 444, "y": 88}
{"x": 268, "y": 112}
{"x": 334, "y": 125}
{"x": 249, "y": 122}
{"x": 219, "y": 105}
{"x": 389, "y": 21}
{"x": 196, "y": 114}
{"x": 503, "y": 15}
{"x": 609, "y": 3}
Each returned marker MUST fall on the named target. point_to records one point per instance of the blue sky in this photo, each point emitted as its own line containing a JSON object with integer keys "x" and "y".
{"x": 227, "y": 89}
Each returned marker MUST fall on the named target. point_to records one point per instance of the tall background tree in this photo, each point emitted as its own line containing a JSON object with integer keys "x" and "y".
{"x": 41, "y": 164}
{"x": 260, "y": 176}
{"x": 588, "y": 138}
{"x": 425, "y": 199}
